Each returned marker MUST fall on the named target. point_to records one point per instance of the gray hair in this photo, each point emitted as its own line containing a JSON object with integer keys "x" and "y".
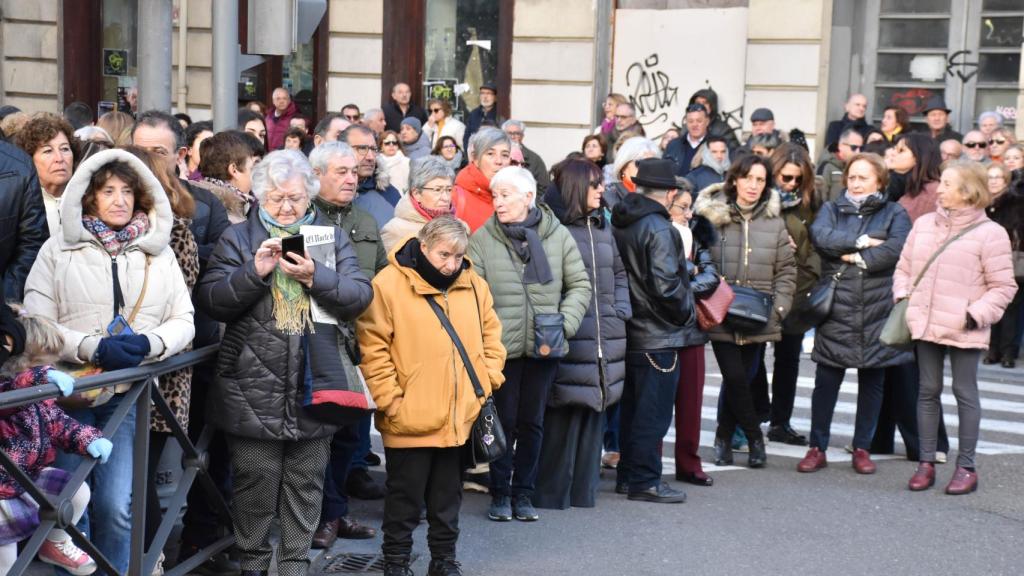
{"x": 423, "y": 170}
{"x": 513, "y": 124}
{"x": 645, "y": 191}
{"x": 322, "y": 155}
{"x": 444, "y": 228}
{"x": 518, "y": 178}
{"x": 372, "y": 112}
{"x": 280, "y": 167}
{"x": 89, "y": 133}
{"x": 770, "y": 140}
{"x": 990, "y": 114}
{"x": 632, "y": 150}
{"x": 485, "y": 139}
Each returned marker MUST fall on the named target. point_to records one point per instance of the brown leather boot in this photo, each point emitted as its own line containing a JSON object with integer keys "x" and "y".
{"x": 814, "y": 460}
{"x": 923, "y": 478}
{"x": 862, "y": 462}
{"x": 963, "y": 482}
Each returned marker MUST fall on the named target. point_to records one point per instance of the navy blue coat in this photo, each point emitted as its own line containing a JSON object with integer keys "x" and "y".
{"x": 592, "y": 374}
{"x": 703, "y": 176}
{"x": 680, "y": 152}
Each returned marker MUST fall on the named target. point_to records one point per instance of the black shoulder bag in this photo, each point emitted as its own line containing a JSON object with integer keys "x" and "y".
{"x": 750, "y": 308}
{"x": 487, "y": 436}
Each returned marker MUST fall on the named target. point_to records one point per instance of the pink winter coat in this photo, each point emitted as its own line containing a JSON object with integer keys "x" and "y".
{"x": 974, "y": 275}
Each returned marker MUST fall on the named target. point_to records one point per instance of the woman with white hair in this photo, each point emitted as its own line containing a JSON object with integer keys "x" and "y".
{"x": 624, "y": 168}
{"x": 989, "y": 121}
{"x": 541, "y": 293}
{"x": 270, "y": 351}
{"x": 430, "y": 196}
{"x": 490, "y": 150}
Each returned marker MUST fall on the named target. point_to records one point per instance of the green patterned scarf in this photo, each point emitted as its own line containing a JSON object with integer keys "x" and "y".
{"x": 291, "y": 302}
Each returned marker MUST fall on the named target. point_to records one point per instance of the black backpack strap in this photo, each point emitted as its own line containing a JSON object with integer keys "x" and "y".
{"x": 458, "y": 345}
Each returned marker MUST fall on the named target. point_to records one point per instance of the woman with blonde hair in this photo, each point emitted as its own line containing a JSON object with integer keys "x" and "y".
{"x": 956, "y": 269}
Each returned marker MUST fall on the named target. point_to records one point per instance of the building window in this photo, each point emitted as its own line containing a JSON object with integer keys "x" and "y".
{"x": 461, "y": 51}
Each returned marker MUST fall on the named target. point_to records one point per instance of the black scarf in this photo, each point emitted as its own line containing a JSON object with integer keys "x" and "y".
{"x": 411, "y": 256}
{"x": 527, "y": 245}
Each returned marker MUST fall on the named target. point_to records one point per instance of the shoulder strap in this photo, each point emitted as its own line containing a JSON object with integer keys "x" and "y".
{"x": 458, "y": 345}
{"x": 142, "y": 295}
{"x": 945, "y": 244}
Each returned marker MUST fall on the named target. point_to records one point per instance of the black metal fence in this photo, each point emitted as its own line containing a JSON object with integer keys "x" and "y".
{"x": 144, "y": 391}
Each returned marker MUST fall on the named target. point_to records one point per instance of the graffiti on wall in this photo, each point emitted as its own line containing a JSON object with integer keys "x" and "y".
{"x": 959, "y": 65}
{"x": 650, "y": 91}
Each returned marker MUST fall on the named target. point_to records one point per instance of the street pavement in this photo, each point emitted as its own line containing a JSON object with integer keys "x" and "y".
{"x": 775, "y": 520}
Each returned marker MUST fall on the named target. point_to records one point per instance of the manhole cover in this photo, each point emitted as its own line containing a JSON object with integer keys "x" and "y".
{"x": 352, "y": 564}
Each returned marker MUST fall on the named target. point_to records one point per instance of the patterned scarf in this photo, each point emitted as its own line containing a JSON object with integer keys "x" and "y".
{"x": 291, "y": 302}
{"x": 115, "y": 241}
{"x": 430, "y": 213}
{"x": 247, "y": 198}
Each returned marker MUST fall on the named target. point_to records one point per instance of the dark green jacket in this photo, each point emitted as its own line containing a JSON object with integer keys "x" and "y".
{"x": 362, "y": 232}
{"x": 569, "y": 292}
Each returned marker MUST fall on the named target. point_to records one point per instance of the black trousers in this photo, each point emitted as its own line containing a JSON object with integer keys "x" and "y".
{"x": 521, "y": 402}
{"x": 344, "y": 444}
{"x": 739, "y": 365}
{"x": 570, "y": 458}
{"x": 899, "y": 411}
{"x": 1001, "y": 345}
{"x": 418, "y": 477}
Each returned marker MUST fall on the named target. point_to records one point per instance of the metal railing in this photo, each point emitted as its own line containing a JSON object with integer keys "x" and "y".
{"x": 58, "y": 513}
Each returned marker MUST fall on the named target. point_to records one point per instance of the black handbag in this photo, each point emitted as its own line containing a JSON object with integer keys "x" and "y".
{"x": 548, "y": 329}
{"x": 750, "y": 309}
{"x": 487, "y": 438}
{"x": 816, "y": 308}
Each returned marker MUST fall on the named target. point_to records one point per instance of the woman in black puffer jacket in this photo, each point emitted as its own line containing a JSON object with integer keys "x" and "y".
{"x": 699, "y": 236}
{"x": 590, "y": 377}
{"x": 1007, "y": 210}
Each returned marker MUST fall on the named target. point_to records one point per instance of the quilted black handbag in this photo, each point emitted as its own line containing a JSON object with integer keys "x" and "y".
{"x": 750, "y": 309}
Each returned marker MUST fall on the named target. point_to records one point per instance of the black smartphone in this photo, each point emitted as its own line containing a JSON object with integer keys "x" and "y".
{"x": 295, "y": 244}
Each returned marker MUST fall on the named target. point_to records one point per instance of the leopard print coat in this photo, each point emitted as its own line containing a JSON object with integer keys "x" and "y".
{"x": 176, "y": 387}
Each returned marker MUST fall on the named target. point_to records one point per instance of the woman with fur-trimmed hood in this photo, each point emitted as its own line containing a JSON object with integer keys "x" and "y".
{"x": 753, "y": 251}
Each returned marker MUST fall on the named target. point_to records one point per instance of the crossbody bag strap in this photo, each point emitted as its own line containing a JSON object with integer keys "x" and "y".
{"x": 942, "y": 248}
{"x": 142, "y": 295}
{"x": 477, "y": 388}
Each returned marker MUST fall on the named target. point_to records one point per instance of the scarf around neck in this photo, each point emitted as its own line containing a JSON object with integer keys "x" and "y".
{"x": 527, "y": 245}
{"x": 859, "y": 201}
{"x": 411, "y": 256}
{"x": 430, "y": 213}
{"x": 291, "y": 302}
{"x": 116, "y": 241}
{"x": 708, "y": 159}
{"x": 247, "y": 198}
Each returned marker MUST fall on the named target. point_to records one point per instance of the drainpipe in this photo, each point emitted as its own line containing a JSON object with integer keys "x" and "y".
{"x": 154, "y": 49}
{"x": 183, "y": 56}
{"x": 225, "y": 64}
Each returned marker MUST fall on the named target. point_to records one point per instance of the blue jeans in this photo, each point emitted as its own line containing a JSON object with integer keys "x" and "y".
{"x": 344, "y": 444}
{"x": 648, "y": 398}
{"x": 363, "y": 448}
{"x": 610, "y": 423}
{"x": 870, "y": 388}
{"x": 107, "y": 522}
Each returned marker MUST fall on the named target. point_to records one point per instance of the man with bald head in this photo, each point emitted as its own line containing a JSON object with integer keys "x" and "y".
{"x": 950, "y": 150}
{"x": 279, "y": 118}
{"x": 856, "y": 109}
{"x": 975, "y": 146}
{"x": 402, "y": 107}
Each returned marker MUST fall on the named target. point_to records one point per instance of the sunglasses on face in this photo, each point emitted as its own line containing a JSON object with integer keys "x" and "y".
{"x": 390, "y": 143}
{"x": 432, "y": 110}
{"x": 998, "y": 141}
{"x": 787, "y": 178}
{"x": 854, "y": 147}
{"x": 352, "y": 117}
{"x": 981, "y": 145}
{"x": 596, "y": 183}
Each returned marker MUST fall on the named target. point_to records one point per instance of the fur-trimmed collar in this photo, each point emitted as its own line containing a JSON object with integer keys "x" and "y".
{"x": 703, "y": 231}
{"x": 712, "y": 204}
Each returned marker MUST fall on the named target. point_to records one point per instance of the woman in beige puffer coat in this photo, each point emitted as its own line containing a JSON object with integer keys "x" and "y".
{"x": 754, "y": 250}
{"x": 959, "y": 296}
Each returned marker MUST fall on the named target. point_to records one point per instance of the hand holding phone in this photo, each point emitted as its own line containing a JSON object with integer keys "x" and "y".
{"x": 295, "y": 244}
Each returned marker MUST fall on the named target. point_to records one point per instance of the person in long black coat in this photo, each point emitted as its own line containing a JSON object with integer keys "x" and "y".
{"x": 591, "y": 376}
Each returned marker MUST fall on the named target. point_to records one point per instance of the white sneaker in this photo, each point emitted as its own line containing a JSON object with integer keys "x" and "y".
{"x": 68, "y": 556}
{"x": 940, "y": 457}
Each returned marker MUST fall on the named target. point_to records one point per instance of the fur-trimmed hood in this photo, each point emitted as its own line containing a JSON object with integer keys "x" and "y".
{"x": 161, "y": 218}
{"x": 703, "y": 231}
{"x": 712, "y": 204}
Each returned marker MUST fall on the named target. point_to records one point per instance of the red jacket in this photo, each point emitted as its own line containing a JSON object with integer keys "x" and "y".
{"x": 277, "y": 126}
{"x": 30, "y": 435}
{"x": 472, "y": 197}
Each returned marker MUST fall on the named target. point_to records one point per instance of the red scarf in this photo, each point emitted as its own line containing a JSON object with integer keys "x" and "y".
{"x": 628, "y": 184}
{"x": 472, "y": 180}
{"x": 430, "y": 213}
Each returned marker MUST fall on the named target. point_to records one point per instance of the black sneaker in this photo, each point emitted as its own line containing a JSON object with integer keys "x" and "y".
{"x": 501, "y": 509}
{"x": 397, "y": 566}
{"x": 360, "y": 485}
{"x": 660, "y": 494}
{"x": 523, "y": 509}
{"x": 372, "y": 459}
{"x": 444, "y": 567}
{"x": 785, "y": 434}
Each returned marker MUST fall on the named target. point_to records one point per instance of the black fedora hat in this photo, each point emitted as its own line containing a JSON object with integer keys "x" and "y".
{"x": 936, "y": 103}
{"x": 656, "y": 173}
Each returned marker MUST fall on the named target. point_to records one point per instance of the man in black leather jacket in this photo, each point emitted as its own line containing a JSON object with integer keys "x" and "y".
{"x": 659, "y": 290}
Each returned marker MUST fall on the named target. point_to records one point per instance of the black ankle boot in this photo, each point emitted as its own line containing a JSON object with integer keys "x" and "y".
{"x": 757, "y": 457}
{"x": 397, "y": 566}
{"x": 723, "y": 451}
{"x": 445, "y": 566}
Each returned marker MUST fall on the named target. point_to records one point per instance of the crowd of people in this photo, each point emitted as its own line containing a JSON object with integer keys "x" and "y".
{"x": 452, "y": 271}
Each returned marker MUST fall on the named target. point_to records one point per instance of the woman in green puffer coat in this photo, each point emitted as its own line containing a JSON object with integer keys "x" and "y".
{"x": 534, "y": 271}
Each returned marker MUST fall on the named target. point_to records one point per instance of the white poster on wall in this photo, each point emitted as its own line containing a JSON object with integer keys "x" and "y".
{"x": 661, "y": 57}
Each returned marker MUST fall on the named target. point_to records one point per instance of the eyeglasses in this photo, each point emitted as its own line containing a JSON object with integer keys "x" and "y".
{"x": 999, "y": 141}
{"x": 363, "y": 149}
{"x": 854, "y": 147}
{"x": 352, "y": 117}
{"x": 787, "y": 178}
{"x": 684, "y": 209}
{"x": 293, "y": 200}
{"x": 523, "y": 164}
{"x": 981, "y": 145}
{"x": 448, "y": 146}
{"x": 596, "y": 183}
{"x": 439, "y": 190}
{"x": 623, "y": 116}
{"x": 390, "y": 143}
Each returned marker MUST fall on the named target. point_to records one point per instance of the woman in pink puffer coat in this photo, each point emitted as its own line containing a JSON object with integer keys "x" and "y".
{"x": 963, "y": 292}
